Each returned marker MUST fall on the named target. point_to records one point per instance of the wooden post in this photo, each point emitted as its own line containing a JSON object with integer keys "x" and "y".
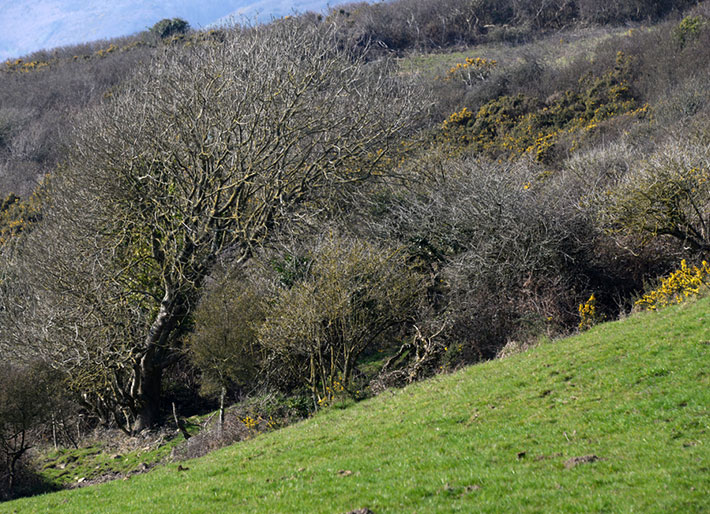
{"x": 222, "y": 394}
{"x": 180, "y": 424}
{"x": 54, "y": 432}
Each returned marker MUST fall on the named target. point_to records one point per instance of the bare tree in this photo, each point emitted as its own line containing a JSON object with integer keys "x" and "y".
{"x": 25, "y": 405}
{"x": 204, "y": 151}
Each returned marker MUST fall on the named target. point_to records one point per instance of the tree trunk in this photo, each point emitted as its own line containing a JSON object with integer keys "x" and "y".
{"x": 148, "y": 393}
{"x": 14, "y": 458}
{"x": 149, "y": 370}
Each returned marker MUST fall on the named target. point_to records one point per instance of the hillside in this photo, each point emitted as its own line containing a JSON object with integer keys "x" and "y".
{"x": 614, "y": 419}
{"x": 404, "y": 189}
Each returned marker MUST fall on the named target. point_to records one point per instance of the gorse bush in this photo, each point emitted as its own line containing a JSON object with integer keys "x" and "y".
{"x": 588, "y": 313}
{"x": 18, "y": 215}
{"x": 686, "y": 282}
{"x": 472, "y": 70}
{"x": 689, "y": 29}
{"x": 517, "y": 125}
{"x": 170, "y": 27}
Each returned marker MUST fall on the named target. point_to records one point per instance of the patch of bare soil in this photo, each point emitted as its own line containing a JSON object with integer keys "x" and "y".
{"x": 574, "y": 461}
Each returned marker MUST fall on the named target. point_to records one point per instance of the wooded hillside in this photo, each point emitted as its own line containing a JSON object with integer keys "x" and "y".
{"x": 328, "y": 206}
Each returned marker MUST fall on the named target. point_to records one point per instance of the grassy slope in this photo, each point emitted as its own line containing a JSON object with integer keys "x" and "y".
{"x": 559, "y": 49}
{"x": 634, "y": 393}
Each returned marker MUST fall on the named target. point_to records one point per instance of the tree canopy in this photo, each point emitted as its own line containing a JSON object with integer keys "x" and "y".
{"x": 203, "y": 152}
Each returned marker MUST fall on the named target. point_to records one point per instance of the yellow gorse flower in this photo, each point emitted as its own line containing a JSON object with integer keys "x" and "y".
{"x": 588, "y": 314}
{"x": 684, "y": 283}
{"x": 473, "y": 69}
{"x": 251, "y": 423}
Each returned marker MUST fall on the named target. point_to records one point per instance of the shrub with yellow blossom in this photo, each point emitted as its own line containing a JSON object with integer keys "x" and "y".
{"x": 512, "y": 126}
{"x": 17, "y": 215}
{"x": 589, "y": 314}
{"x": 686, "y": 282}
{"x": 472, "y": 70}
{"x": 251, "y": 423}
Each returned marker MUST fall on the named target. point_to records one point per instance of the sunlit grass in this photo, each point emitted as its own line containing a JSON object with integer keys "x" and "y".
{"x": 629, "y": 399}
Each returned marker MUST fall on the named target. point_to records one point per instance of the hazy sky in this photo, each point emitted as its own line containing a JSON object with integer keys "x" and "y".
{"x": 29, "y": 25}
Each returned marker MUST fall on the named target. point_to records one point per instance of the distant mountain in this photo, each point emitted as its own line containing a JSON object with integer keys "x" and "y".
{"x": 264, "y": 10}
{"x": 30, "y": 25}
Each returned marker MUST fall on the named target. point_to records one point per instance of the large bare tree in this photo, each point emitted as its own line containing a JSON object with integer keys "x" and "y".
{"x": 201, "y": 153}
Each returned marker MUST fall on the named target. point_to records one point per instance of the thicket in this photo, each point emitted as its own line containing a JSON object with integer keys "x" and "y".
{"x": 402, "y": 25}
{"x": 32, "y": 407}
{"x": 332, "y": 224}
{"x": 512, "y": 126}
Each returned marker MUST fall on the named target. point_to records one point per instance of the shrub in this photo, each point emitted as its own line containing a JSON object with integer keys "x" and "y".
{"x": 223, "y": 344}
{"x": 169, "y": 27}
{"x": 684, "y": 283}
{"x": 667, "y": 195}
{"x": 516, "y": 125}
{"x": 472, "y": 70}
{"x": 17, "y": 215}
{"x": 688, "y": 29}
{"x": 588, "y": 313}
{"x": 354, "y": 296}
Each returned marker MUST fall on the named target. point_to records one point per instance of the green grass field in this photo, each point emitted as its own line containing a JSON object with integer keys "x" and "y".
{"x": 616, "y": 420}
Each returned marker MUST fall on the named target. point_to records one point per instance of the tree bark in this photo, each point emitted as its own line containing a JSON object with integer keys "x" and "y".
{"x": 14, "y": 458}
{"x": 148, "y": 393}
{"x": 149, "y": 370}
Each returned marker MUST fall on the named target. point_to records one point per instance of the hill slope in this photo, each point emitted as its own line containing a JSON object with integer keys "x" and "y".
{"x": 616, "y": 419}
